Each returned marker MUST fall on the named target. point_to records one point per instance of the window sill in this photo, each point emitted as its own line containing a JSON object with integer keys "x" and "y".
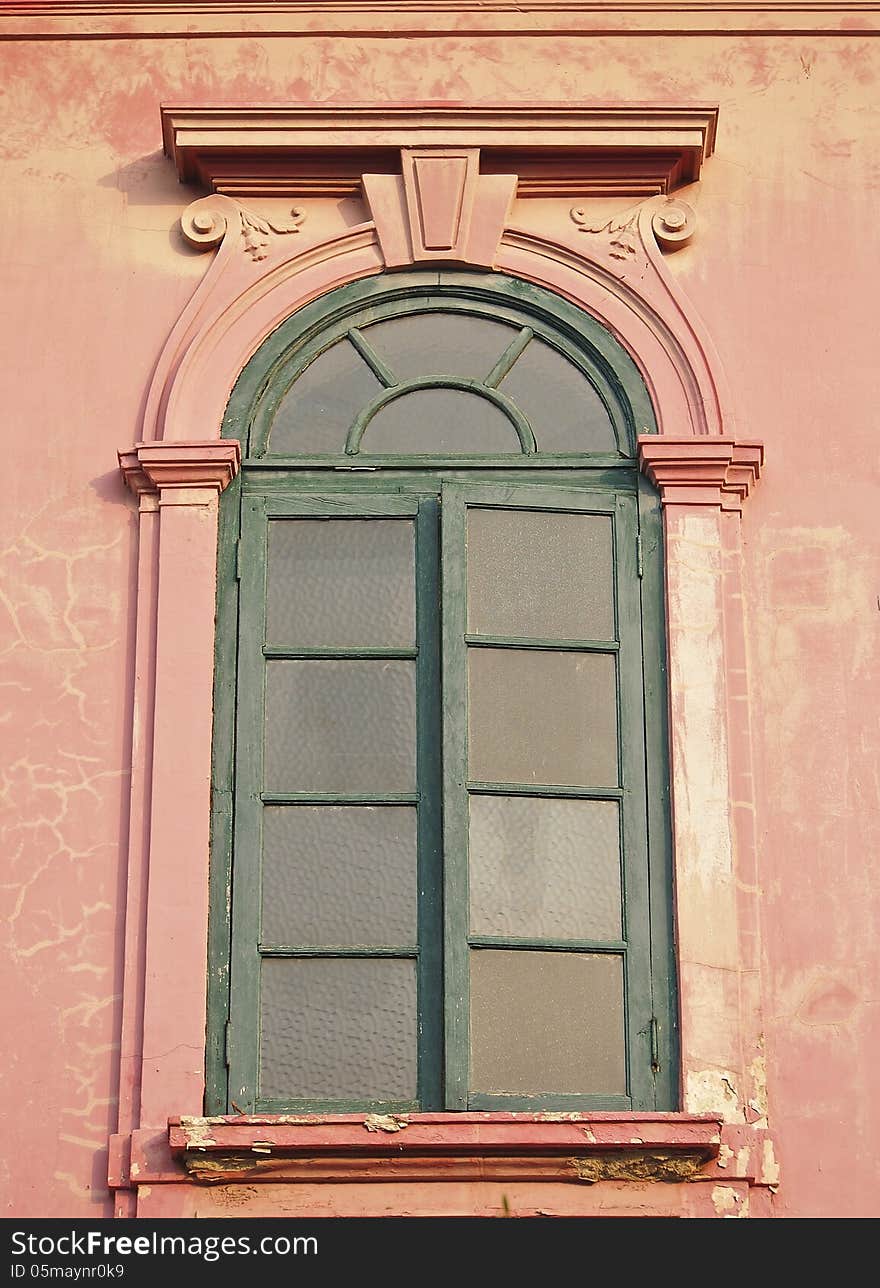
{"x": 586, "y": 1147}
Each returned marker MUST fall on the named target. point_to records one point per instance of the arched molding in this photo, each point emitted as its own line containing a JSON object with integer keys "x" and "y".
{"x": 241, "y": 301}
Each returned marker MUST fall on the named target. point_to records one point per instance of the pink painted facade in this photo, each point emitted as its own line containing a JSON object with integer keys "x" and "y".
{"x": 743, "y": 290}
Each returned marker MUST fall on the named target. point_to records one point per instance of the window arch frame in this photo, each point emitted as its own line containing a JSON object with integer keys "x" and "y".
{"x": 313, "y": 329}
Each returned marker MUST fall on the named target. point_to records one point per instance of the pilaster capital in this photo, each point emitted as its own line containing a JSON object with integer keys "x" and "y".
{"x": 158, "y": 466}
{"x": 701, "y": 470}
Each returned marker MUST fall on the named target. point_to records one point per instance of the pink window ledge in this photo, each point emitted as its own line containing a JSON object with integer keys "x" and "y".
{"x": 549, "y": 1146}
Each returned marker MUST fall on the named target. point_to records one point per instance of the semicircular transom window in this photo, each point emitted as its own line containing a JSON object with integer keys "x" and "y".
{"x": 441, "y": 376}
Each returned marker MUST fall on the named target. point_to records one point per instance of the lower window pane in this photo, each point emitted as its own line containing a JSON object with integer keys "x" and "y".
{"x": 341, "y": 876}
{"x": 338, "y": 1029}
{"x": 542, "y": 717}
{"x": 547, "y": 1023}
{"x": 340, "y": 726}
{"x": 544, "y": 869}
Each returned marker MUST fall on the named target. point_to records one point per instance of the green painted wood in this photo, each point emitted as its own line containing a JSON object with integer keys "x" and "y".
{"x": 339, "y": 798}
{"x": 664, "y": 973}
{"x": 552, "y": 789}
{"x": 245, "y": 961}
{"x": 633, "y": 820}
{"x": 288, "y": 468}
{"x": 345, "y": 950}
{"x": 292, "y": 654}
{"x": 429, "y": 767}
{"x": 616, "y": 946}
{"x": 455, "y": 818}
{"x": 382, "y": 372}
{"x": 513, "y": 351}
{"x": 524, "y": 641}
{"x": 222, "y": 786}
{"x": 361, "y": 422}
{"x": 343, "y": 505}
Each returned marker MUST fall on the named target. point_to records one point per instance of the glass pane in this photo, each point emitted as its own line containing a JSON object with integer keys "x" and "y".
{"x": 544, "y": 869}
{"x": 541, "y": 574}
{"x": 341, "y": 583}
{"x": 340, "y": 726}
{"x": 440, "y": 344}
{"x": 559, "y": 402}
{"x": 542, "y": 717}
{"x": 547, "y": 1022}
{"x": 317, "y": 411}
{"x": 342, "y": 1028}
{"x": 339, "y": 875}
{"x": 440, "y": 421}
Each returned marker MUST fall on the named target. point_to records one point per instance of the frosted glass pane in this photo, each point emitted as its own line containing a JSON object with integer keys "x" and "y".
{"x": 339, "y": 875}
{"x": 343, "y": 1028}
{"x": 340, "y": 726}
{"x": 537, "y": 716}
{"x": 440, "y": 344}
{"x": 544, "y": 869}
{"x": 560, "y": 403}
{"x": 341, "y": 583}
{"x": 540, "y": 574}
{"x": 440, "y": 421}
{"x": 317, "y": 411}
{"x": 547, "y": 1022}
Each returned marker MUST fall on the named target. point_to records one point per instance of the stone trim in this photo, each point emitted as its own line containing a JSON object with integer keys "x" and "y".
{"x": 701, "y": 470}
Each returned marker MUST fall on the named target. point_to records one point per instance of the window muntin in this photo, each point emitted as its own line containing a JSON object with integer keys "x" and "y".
{"x": 434, "y": 929}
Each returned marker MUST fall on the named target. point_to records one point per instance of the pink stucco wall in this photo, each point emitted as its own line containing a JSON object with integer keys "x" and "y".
{"x": 95, "y": 274}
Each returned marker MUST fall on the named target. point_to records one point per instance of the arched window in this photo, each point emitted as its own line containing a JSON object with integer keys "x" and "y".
{"x": 439, "y": 728}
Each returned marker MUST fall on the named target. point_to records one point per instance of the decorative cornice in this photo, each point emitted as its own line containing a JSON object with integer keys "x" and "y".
{"x": 315, "y": 149}
{"x": 701, "y": 470}
{"x": 172, "y": 465}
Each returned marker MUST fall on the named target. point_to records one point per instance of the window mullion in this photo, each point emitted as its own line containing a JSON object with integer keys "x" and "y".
{"x": 455, "y": 803}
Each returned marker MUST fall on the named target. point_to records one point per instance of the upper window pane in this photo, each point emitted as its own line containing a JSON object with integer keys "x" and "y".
{"x": 317, "y": 411}
{"x": 440, "y": 422}
{"x": 563, "y": 408}
{"x": 337, "y": 583}
{"x": 440, "y": 344}
{"x": 393, "y": 375}
{"x": 542, "y": 574}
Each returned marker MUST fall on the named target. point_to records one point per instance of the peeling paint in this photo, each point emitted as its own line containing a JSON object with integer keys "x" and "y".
{"x": 725, "y": 1199}
{"x": 769, "y": 1165}
{"x": 385, "y": 1122}
{"x": 712, "y": 1091}
{"x": 757, "y": 1072}
{"x": 197, "y": 1133}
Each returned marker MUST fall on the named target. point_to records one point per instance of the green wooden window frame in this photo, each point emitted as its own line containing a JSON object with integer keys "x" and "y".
{"x": 434, "y": 494}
